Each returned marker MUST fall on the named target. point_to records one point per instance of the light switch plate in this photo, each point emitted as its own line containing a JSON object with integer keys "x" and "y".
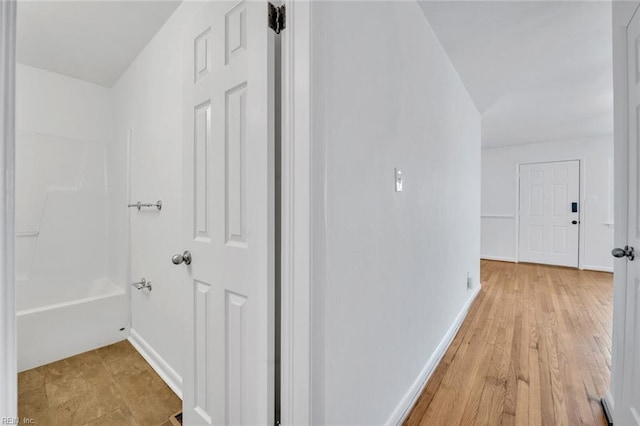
{"x": 399, "y": 179}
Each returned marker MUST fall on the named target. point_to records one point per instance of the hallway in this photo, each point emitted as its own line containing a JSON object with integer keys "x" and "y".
{"x": 534, "y": 349}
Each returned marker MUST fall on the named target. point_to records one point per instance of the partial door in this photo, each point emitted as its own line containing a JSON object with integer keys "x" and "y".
{"x": 627, "y": 411}
{"x": 229, "y": 215}
{"x": 549, "y": 213}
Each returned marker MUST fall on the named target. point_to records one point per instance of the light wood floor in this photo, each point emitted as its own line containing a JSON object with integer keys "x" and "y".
{"x": 535, "y": 349}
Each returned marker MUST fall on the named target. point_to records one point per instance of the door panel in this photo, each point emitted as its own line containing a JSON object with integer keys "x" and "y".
{"x": 229, "y": 220}
{"x": 535, "y": 242}
{"x": 630, "y": 412}
{"x": 547, "y": 234}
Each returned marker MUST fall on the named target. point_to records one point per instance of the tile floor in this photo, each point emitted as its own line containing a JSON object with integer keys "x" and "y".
{"x": 109, "y": 386}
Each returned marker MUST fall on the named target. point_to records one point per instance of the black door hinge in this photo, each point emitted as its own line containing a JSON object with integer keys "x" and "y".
{"x": 277, "y": 18}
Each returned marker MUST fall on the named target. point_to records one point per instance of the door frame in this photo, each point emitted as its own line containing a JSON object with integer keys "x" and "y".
{"x": 582, "y": 203}
{"x": 296, "y": 215}
{"x": 8, "y": 358}
{"x": 622, "y": 13}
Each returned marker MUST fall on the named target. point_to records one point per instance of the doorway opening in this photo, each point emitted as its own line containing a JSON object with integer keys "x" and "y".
{"x": 148, "y": 208}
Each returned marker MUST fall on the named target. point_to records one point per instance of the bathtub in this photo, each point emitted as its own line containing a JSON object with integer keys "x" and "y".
{"x": 58, "y": 321}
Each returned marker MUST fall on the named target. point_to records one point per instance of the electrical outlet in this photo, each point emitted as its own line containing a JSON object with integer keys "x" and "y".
{"x": 469, "y": 281}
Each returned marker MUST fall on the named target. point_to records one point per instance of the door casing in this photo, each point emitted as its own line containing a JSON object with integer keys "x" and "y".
{"x": 8, "y": 357}
{"x": 296, "y": 254}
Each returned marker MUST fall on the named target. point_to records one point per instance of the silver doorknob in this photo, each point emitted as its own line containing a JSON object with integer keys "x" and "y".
{"x": 184, "y": 257}
{"x": 623, "y": 252}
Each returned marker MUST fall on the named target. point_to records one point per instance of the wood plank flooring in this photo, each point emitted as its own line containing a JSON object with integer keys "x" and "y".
{"x": 535, "y": 349}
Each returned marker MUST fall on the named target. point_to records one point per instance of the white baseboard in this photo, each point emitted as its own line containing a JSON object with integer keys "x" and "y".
{"x": 585, "y": 267}
{"x": 409, "y": 399}
{"x": 499, "y": 258}
{"x": 164, "y": 370}
{"x": 608, "y": 397}
{"x": 598, "y": 268}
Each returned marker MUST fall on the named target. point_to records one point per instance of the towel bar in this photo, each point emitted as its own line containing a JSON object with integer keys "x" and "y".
{"x": 139, "y": 205}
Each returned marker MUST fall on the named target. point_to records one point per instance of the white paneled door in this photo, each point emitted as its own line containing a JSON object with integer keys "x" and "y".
{"x": 229, "y": 215}
{"x": 627, "y": 405}
{"x": 549, "y": 213}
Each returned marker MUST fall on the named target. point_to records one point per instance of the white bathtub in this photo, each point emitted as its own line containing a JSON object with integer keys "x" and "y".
{"x": 57, "y": 321}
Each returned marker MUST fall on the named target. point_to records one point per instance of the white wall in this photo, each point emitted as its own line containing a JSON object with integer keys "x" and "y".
{"x": 63, "y": 130}
{"x": 390, "y": 269}
{"x": 500, "y": 192}
{"x": 148, "y": 102}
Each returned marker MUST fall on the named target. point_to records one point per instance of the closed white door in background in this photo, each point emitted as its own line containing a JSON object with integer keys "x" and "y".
{"x": 229, "y": 215}
{"x": 549, "y": 219}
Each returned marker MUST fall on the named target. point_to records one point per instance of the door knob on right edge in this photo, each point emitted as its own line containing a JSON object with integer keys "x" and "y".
{"x": 180, "y": 258}
{"x": 623, "y": 252}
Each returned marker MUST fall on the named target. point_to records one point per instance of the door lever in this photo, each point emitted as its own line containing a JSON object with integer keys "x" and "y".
{"x": 625, "y": 252}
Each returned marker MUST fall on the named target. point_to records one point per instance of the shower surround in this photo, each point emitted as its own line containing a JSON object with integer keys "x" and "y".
{"x": 67, "y": 300}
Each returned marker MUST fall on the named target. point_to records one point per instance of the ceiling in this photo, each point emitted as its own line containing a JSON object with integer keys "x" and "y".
{"x": 91, "y": 40}
{"x": 537, "y": 71}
